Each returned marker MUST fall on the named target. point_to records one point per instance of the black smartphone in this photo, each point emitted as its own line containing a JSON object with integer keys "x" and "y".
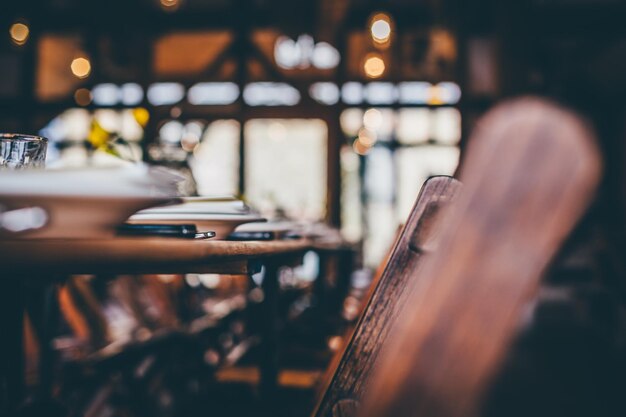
{"x": 186, "y": 231}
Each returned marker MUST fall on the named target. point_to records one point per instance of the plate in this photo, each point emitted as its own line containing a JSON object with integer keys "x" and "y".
{"x": 221, "y": 224}
{"x": 235, "y": 207}
{"x": 79, "y": 217}
{"x": 82, "y": 202}
{"x": 210, "y": 198}
{"x": 129, "y": 180}
{"x": 280, "y": 228}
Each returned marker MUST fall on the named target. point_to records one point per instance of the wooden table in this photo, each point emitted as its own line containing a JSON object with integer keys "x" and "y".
{"x": 141, "y": 255}
{"x": 45, "y": 262}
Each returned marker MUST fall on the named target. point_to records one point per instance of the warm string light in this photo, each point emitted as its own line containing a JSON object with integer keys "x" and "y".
{"x": 19, "y": 33}
{"x": 170, "y": 5}
{"x": 81, "y": 67}
{"x": 374, "y": 65}
{"x": 364, "y": 141}
{"x": 360, "y": 148}
{"x": 372, "y": 119}
{"x": 380, "y": 29}
{"x": 367, "y": 136}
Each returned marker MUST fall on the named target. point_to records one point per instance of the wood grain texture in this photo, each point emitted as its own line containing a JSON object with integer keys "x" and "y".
{"x": 530, "y": 172}
{"x": 345, "y": 408}
{"x": 351, "y": 369}
{"x": 140, "y": 255}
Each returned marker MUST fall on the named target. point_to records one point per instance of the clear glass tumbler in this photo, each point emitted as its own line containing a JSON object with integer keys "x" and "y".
{"x": 19, "y": 151}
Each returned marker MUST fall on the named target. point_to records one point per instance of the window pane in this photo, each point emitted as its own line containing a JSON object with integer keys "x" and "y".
{"x": 414, "y": 92}
{"x": 380, "y": 121}
{"x": 215, "y": 161}
{"x": 352, "y": 93}
{"x": 381, "y": 225}
{"x": 351, "y": 213}
{"x": 380, "y": 219}
{"x": 270, "y": 94}
{"x": 213, "y": 93}
{"x": 160, "y": 94}
{"x": 413, "y": 126}
{"x": 325, "y": 93}
{"x": 106, "y": 94}
{"x": 381, "y": 93}
{"x": 450, "y": 92}
{"x": 132, "y": 94}
{"x": 351, "y": 121}
{"x": 286, "y": 166}
{"x": 446, "y": 126}
{"x": 379, "y": 175}
{"x": 415, "y": 165}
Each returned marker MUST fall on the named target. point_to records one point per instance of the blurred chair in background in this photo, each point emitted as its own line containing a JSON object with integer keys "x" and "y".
{"x": 530, "y": 172}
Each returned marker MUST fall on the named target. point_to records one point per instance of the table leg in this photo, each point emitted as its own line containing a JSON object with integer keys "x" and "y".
{"x": 43, "y": 309}
{"x": 320, "y": 286}
{"x": 47, "y": 357}
{"x": 345, "y": 266}
{"x": 11, "y": 348}
{"x": 269, "y": 334}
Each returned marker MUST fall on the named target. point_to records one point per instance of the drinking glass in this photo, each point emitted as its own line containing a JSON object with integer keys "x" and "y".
{"x": 18, "y": 151}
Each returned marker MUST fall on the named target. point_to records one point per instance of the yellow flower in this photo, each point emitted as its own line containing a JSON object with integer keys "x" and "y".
{"x": 98, "y": 136}
{"x": 141, "y": 115}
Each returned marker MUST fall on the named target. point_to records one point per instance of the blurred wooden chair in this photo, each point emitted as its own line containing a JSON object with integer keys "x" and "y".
{"x": 350, "y": 370}
{"x": 530, "y": 172}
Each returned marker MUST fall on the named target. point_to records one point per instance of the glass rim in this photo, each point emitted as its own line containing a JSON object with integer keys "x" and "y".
{"x": 23, "y": 136}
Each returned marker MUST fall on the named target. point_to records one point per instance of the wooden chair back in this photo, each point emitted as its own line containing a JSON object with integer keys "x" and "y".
{"x": 351, "y": 369}
{"x": 530, "y": 172}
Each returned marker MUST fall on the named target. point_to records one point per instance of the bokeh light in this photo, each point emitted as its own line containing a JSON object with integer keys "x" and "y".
{"x": 367, "y": 137}
{"x": 82, "y": 96}
{"x": 380, "y": 28}
{"x": 372, "y": 119}
{"x": 81, "y": 67}
{"x": 374, "y": 66}
{"x": 361, "y": 148}
{"x": 170, "y": 5}
{"x": 19, "y": 33}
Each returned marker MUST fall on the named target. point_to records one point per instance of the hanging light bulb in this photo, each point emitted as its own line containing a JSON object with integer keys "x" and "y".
{"x": 19, "y": 33}
{"x": 381, "y": 28}
{"x": 81, "y": 67}
{"x": 170, "y": 5}
{"x": 374, "y": 65}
